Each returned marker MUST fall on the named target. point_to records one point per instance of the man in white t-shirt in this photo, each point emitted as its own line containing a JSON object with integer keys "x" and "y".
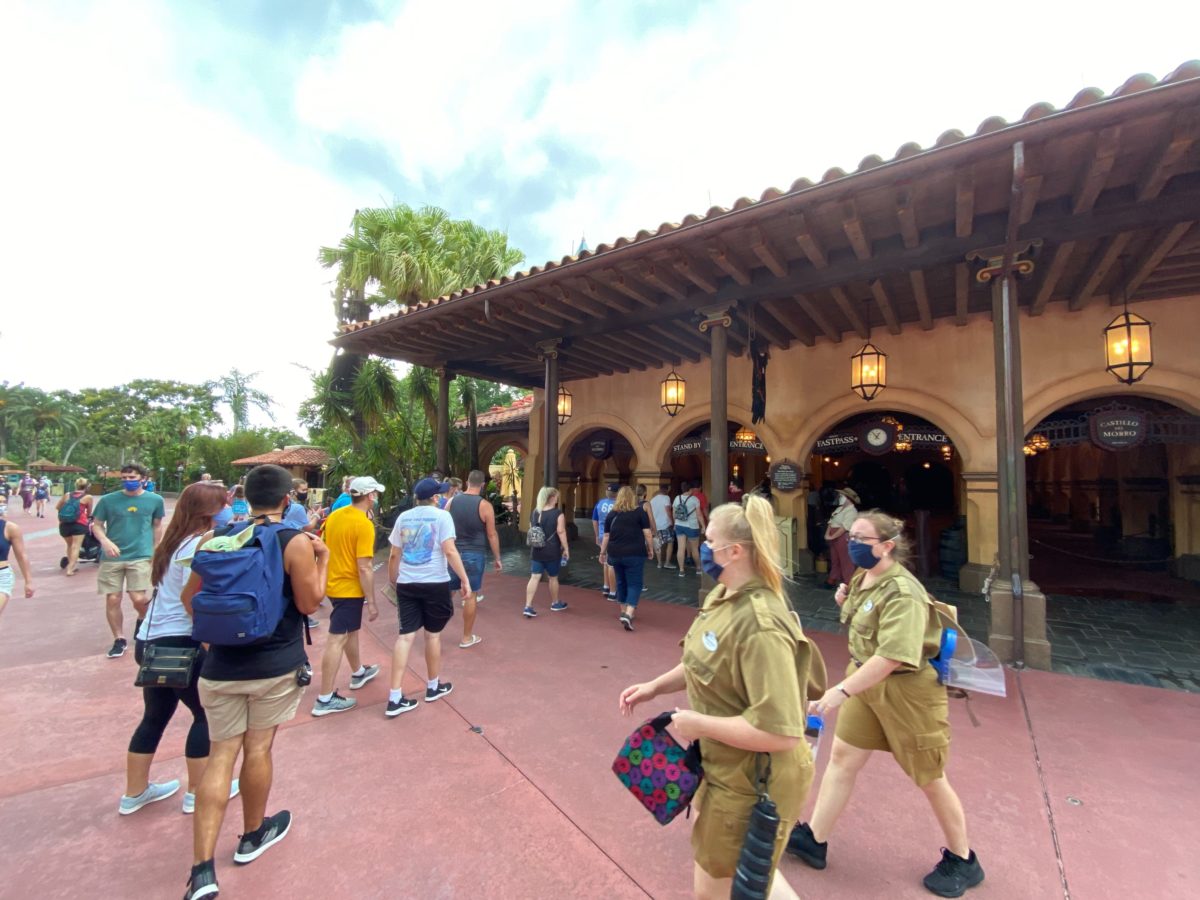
{"x": 660, "y": 507}
{"x": 422, "y": 551}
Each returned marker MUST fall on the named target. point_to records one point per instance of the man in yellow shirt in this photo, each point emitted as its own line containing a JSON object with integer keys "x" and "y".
{"x": 350, "y": 536}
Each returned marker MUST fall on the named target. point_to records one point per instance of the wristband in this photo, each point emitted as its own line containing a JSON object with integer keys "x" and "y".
{"x": 845, "y": 692}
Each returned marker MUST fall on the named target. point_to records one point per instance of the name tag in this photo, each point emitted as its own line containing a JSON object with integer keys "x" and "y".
{"x": 710, "y": 641}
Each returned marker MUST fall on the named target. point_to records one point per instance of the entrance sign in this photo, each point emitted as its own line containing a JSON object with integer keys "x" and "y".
{"x": 688, "y": 446}
{"x": 600, "y": 448}
{"x": 877, "y": 438}
{"x": 785, "y": 475}
{"x": 1118, "y": 429}
{"x": 698, "y": 445}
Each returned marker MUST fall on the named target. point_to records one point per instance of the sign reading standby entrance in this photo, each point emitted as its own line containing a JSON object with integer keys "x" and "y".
{"x": 691, "y": 445}
{"x": 1118, "y": 430}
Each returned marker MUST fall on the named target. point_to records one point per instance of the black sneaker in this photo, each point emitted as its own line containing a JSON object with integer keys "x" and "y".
{"x": 402, "y": 705}
{"x": 441, "y": 690}
{"x": 202, "y": 882}
{"x": 801, "y": 843}
{"x": 272, "y": 831}
{"x": 627, "y": 623}
{"x": 953, "y": 875}
{"x": 118, "y": 648}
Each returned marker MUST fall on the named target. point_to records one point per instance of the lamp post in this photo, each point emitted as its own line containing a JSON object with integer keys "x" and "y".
{"x": 161, "y": 469}
{"x": 179, "y": 478}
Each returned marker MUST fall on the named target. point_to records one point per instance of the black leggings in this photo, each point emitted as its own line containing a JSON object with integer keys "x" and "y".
{"x": 160, "y": 705}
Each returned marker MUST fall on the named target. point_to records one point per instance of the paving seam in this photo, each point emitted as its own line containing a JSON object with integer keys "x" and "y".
{"x": 1037, "y": 761}
{"x": 384, "y": 647}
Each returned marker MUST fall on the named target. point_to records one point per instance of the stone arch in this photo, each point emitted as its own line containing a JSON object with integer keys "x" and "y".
{"x": 489, "y": 443}
{"x": 1177, "y": 388}
{"x": 681, "y": 425}
{"x": 574, "y": 430}
{"x": 970, "y": 443}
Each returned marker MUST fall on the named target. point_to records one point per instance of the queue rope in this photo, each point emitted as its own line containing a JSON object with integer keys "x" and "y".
{"x": 1100, "y": 559}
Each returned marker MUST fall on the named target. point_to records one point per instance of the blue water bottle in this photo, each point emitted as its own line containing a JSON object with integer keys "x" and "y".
{"x": 814, "y": 727}
{"x": 564, "y": 560}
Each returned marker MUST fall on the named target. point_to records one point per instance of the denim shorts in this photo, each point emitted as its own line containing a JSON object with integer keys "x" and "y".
{"x": 473, "y": 562}
{"x": 684, "y": 532}
{"x": 550, "y": 568}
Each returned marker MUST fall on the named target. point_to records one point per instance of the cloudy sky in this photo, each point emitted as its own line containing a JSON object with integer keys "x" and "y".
{"x": 170, "y": 168}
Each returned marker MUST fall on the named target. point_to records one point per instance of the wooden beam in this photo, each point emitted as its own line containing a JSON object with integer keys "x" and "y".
{"x": 769, "y": 327}
{"x": 856, "y": 232}
{"x": 604, "y": 295}
{"x": 808, "y": 242}
{"x": 724, "y": 260}
{"x": 537, "y": 312}
{"x": 561, "y": 308}
{"x": 767, "y": 254}
{"x": 688, "y": 269}
{"x": 917, "y": 278}
{"x": 1058, "y": 263}
{"x": 594, "y": 357}
{"x": 1168, "y": 155}
{"x": 962, "y": 292}
{"x": 788, "y": 315}
{"x": 1029, "y": 197}
{"x": 487, "y": 373}
{"x": 907, "y": 216}
{"x": 656, "y": 275}
{"x": 654, "y": 351}
{"x": 630, "y": 288}
{"x": 682, "y": 344}
{"x": 964, "y": 203}
{"x": 879, "y": 292}
{"x": 1097, "y": 268}
{"x": 819, "y": 318}
{"x": 613, "y": 350}
{"x": 1103, "y": 157}
{"x": 849, "y": 310}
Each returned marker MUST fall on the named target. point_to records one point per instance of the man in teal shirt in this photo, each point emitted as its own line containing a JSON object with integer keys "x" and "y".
{"x": 128, "y": 524}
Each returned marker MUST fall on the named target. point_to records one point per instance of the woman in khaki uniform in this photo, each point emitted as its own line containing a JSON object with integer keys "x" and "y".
{"x": 890, "y": 700}
{"x": 745, "y": 667}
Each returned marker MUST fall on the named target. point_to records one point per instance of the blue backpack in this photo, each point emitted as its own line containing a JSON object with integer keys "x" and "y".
{"x": 241, "y": 599}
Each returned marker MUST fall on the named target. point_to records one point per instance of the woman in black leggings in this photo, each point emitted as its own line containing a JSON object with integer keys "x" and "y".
{"x": 168, "y": 624}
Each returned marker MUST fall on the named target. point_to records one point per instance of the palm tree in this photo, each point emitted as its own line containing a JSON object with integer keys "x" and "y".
{"x": 374, "y": 395}
{"x": 38, "y": 412}
{"x": 235, "y": 391}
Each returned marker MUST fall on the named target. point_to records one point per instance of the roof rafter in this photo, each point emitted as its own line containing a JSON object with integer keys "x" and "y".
{"x": 819, "y": 317}
{"x": 1097, "y": 268}
{"x": 879, "y": 292}
{"x": 1160, "y": 245}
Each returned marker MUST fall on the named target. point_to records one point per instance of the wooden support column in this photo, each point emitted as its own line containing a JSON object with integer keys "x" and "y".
{"x": 443, "y": 421}
{"x": 548, "y": 353}
{"x": 717, "y": 322}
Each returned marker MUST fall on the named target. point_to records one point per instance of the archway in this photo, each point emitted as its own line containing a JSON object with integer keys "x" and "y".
{"x": 595, "y": 457}
{"x": 1111, "y": 491}
{"x": 903, "y": 464}
{"x": 687, "y": 457}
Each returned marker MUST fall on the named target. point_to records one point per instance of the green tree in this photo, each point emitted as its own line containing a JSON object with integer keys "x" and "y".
{"x": 12, "y": 398}
{"x": 42, "y": 412}
{"x": 235, "y": 391}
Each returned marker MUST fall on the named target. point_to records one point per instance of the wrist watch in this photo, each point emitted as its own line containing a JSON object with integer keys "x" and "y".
{"x": 845, "y": 692}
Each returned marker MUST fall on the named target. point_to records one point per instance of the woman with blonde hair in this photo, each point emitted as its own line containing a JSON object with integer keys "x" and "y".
{"x": 73, "y": 528}
{"x": 891, "y": 700}
{"x": 550, "y": 556}
{"x": 627, "y": 544}
{"x": 746, "y": 667}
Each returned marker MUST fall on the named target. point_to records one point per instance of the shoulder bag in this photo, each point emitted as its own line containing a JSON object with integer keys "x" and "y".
{"x": 165, "y": 667}
{"x": 662, "y": 775}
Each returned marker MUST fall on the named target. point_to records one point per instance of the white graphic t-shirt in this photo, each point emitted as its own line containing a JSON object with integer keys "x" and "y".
{"x": 419, "y": 533}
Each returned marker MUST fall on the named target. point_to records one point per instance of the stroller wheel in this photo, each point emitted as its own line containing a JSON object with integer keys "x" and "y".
{"x": 62, "y": 563}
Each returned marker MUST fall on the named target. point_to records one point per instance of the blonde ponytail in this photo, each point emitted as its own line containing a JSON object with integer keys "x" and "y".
{"x": 753, "y": 523}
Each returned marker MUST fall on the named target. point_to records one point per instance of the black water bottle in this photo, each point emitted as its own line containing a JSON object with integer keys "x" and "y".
{"x": 752, "y": 879}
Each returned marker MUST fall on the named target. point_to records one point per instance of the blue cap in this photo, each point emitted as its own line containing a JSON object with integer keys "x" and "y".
{"x": 613, "y": 488}
{"x": 429, "y": 487}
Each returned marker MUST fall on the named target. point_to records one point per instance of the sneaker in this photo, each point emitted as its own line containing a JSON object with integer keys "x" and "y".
{"x": 118, "y": 648}
{"x": 953, "y": 875}
{"x": 557, "y": 606}
{"x": 189, "y": 799}
{"x": 471, "y": 642}
{"x": 802, "y": 844}
{"x": 612, "y": 597}
{"x": 402, "y": 705}
{"x": 680, "y": 573}
{"x": 202, "y": 882}
{"x": 479, "y": 598}
{"x": 627, "y": 623}
{"x": 441, "y": 690}
{"x": 529, "y": 612}
{"x": 273, "y": 830}
{"x": 357, "y": 681}
{"x": 314, "y": 622}
{"x": 335, "y": 704}
{"x": 152, "y": 794}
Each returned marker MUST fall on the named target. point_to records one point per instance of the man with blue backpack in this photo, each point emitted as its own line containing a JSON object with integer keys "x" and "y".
{"x": 251, "y": 586}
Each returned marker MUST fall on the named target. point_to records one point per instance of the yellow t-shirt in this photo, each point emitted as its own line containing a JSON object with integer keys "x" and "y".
{"x": 350, "y": 537}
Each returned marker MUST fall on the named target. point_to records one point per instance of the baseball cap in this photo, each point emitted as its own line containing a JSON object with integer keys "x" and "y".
{"x": 364, "y": 485}
{"x": 429, "y": 487}
{"x": 613, "y": 488}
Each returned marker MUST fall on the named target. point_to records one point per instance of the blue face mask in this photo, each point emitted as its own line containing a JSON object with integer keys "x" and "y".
{"x": 861, "y": 556}
{"x": 711, "y": 567}
{"x": 131, "y": 485}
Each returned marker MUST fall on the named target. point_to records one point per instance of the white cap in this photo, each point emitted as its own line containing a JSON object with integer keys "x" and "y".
{"x": 364, "y": 485}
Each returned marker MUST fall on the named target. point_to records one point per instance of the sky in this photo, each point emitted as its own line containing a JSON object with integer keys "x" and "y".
{"x": 170, "y": 169}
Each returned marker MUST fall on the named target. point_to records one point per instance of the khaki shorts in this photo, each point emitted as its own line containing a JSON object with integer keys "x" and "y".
{"x": 724, "y": 816}
{"x": 117, "y": 576}
{"x": 235, "y": 707}
{"x": 907, "y": 716}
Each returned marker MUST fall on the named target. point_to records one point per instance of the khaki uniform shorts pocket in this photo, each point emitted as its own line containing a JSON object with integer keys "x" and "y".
{"x": 235, "y": 707}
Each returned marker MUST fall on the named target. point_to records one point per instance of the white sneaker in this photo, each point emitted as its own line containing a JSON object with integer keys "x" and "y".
{"x": 189, "y": 799}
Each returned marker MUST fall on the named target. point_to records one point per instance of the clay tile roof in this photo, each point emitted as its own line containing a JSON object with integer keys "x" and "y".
{"x": 511, "y": 416}
{"x": 1086, "y": 97}
{"x": 311, "y": 457}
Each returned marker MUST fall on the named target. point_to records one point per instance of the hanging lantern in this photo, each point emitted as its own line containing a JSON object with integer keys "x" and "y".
{"x": 745, "y": 436}
{"x": 1127, "y": 347}
{"x": 1039, "y": 442}
{"x": 902, "y": 445}
{"x": 565, "y": 402}
{"x": 947, "y": 452}
{"x": 674, "y": 390}
{"x": 868, "y": 371}
{"x": 1028, "y": 450}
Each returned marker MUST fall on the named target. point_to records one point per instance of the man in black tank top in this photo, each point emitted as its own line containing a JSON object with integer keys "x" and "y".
{"x": 475, "y": 530}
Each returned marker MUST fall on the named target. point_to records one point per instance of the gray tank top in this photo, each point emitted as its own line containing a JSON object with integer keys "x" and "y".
{"x": 470, "y": 536}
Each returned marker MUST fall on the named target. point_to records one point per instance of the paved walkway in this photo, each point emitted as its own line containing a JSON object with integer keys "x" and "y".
{"x": 503, "y": 789}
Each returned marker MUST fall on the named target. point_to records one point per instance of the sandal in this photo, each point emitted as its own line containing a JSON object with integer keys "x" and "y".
{"x": 475, "y": 639}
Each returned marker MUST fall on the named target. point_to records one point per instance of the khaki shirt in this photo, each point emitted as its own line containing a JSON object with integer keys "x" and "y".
{"x": 893, "y": 618}
{"x": 740, "y": 659}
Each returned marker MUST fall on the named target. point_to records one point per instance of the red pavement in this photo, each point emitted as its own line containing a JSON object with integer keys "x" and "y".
{"x": 422, "y": 806}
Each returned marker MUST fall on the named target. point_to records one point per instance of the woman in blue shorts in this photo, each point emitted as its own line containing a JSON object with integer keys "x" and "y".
{"x": 549, "y": 557}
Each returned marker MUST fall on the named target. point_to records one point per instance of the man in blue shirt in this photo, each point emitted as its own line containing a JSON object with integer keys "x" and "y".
{"x": 599, "y": 513}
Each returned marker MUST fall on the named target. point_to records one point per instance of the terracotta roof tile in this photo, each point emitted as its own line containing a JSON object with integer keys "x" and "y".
{"x": 515, "y": 413}
{"x": 289, "y": 456}
{"x": 1085, "y": 97}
